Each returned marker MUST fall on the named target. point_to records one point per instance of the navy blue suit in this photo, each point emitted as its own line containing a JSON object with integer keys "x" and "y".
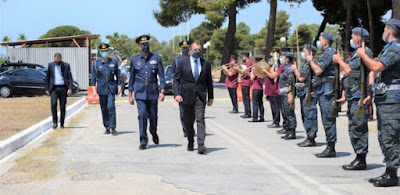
{"x": 144, "y": 82}
{"x": 107, "y": 76}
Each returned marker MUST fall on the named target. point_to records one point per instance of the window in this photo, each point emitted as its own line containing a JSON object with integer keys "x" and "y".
{"x": 33, "y": 74}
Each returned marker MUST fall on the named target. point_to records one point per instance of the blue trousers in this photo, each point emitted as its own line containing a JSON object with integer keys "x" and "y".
{"x": 147, "y": 109}
{"x": 107, "y": 105}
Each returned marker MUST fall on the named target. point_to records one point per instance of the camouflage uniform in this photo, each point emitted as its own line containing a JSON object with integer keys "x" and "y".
{"x": 358, "y": 127}
{"x": 321, "y": 92}
{"x": 309, "y": 114}
{"x": 388, "y": 104}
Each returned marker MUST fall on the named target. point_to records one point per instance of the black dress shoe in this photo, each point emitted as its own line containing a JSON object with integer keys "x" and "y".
{"x": 142, "y": 147}
{"x": 234, "y": 111}
{"x": 155, "y": 139}
{"x": 273, "y": 125}
{"x": 358, "y": 163}
{"x": 375, "y": 179}
{"x": 190, "y": 147}
{"x": 107, "y": 131}
{"x": 113, "y": 132}
{"x": 253, "y": 121}
{"x": 62, "y": 126}
{"x": 282, "y": 131}
{"x": 54, "y": 126}
{"x": 307, "y": 143}
{"x": 201, "y": 149}
{"x": 246, "y": 116}
{"x": 290, "y": 135}
{"x": 261, "y": 120}
{"x": 328, "y": 152}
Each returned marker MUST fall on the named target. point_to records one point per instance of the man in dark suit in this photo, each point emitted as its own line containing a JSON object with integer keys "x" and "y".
{"x": 192, "y": 83}
{"x": 58, "y": 85}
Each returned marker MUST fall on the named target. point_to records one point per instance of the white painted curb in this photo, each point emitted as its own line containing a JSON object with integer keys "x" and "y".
{"x": 24, "y": 137}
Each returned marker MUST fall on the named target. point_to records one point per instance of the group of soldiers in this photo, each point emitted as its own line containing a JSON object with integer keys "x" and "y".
{"x": 329, "y": 82}
{"x": 315, "y": 83}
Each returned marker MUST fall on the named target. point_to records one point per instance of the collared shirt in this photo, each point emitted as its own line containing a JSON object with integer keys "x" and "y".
{"x": 58, "y": 78}
{"x": 198, "y": 64}
{"x": 123, "y": 69}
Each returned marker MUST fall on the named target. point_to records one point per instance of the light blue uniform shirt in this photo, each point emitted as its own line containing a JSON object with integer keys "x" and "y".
{"x": 58, "y": 79}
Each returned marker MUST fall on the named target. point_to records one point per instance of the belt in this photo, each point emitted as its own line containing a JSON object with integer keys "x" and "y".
{"x": 329, "y": 79}
{"x": 60, "y": 85}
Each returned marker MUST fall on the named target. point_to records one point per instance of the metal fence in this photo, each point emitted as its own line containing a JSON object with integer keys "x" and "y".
{"x": 78, "y": 58}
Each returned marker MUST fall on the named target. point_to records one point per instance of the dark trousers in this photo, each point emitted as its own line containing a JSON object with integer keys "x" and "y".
{"x": 123, "y": 76}
{"x": 258, "y": 104}
{"x": 147, "y": 109}
{"x": 58, "y": 93}
{"x": 246, "y": 100}
{"x": 281, "y": 98}
{"x": 288, "y": 115}
{"x": 181, "y": 115}
{"x": 107, "y": 105}
{"x": 275, "y": 110}
{"x": 192, "y": 113}
{"x": 233, "y": 95}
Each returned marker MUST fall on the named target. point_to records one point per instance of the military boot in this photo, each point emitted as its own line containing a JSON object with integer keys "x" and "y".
{"x": 388, "y": 179}
{"x": 308, "y": 142}
{"x": 357, "y": 164}
{"x": 328, "y": 152}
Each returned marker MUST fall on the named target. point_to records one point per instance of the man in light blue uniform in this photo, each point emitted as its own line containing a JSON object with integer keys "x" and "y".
{"x": 106, "y": 76}
{"x": 143, "y": 80}
{"x": 387, "y": 100}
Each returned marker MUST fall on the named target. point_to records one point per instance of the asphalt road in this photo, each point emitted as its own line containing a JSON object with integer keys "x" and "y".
{"x": 242, "y": 158}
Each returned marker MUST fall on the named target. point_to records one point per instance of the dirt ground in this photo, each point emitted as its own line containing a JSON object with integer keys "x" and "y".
{"x": 19, "y": 113}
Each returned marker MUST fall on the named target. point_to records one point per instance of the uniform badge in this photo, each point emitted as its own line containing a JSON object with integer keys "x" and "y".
{"x": 139, "y": 63}
{"x": 100, "y": 66}
{"x": 153, "y": 62}
{"x": 112, "y": 65}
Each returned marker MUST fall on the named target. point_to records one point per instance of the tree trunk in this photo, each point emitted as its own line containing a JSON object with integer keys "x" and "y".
{"x": 396, "y": 9}
{"x": 320, "y": 30}
{"x": 271, "y": 28}
{"x": 371, "y": 25}
{"x": 347, "y": 30}
{"x": 229, "y": 41}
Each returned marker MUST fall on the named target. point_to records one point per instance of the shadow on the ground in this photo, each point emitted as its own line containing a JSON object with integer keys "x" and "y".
{"x": 374, "y": 166}
{"x": 342, "y": 154}
{"x": 75, "y": 127}
{"x": 210, "y": 150}
{"x": 124, "y": 132}
{"x": 164, "y": 146}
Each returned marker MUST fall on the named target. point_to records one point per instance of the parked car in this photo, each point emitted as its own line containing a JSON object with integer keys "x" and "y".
{"x": 19, "y": 65}
{"x": 25, "y": 82}
{"x": 168, "y": 80}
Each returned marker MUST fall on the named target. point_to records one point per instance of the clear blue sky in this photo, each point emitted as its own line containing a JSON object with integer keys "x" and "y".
{"x": 132, "y": 17}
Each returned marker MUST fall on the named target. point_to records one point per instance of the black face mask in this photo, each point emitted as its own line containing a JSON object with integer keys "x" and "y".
{"x": 185, "y": 51}
{"x": 197, "y": 54}
{"x": 244, "y": 61}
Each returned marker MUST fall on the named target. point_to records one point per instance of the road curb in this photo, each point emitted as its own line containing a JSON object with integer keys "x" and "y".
{"x": 26, "y": 136}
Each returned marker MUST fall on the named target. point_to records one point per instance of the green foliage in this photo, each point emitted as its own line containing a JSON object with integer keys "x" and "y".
{"x": 202, "y": 33}
{"x": 67, "y": 30}
{"x": 21, "y": 37}
{"x": 6, "y": 39}
{"x": 305, "y": 35}
{"x": 122, "y": 43}
{"x": 282, "y": 25}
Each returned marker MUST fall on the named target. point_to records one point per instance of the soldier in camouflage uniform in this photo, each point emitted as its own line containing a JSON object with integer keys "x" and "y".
{"x": 324, "y": 69}
{"x": 309, "y": 114}
{"x": 387, "y": 100}
{"x": 358, "y": 127}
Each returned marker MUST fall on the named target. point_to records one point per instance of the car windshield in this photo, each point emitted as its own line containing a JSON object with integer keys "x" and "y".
{"x": 169, "y": 71}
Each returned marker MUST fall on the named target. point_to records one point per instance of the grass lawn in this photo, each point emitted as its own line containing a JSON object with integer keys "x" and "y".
{"x": 19, "y": 113}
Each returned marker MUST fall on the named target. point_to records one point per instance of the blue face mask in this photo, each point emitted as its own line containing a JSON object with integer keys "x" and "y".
{"x": 145, "y": 48}
{"x": 352, "y": 44}
{"x": 281, "y": 61}
{"x": 384, "y": 38}
{"x": 104, "y": 54}
{"x": 303, "y": 55}
{"x": 319, "y": 44}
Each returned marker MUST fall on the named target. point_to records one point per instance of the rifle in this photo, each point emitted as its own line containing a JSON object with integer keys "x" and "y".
{"x": 307, "y": 102}
{"x": 293, "y": 91}
{"x": 336, "y": 89}
{"x": 360, "y": 113}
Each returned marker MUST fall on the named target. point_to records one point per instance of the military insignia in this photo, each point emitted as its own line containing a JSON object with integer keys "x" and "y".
{"x": 139, "y": 63}
{"x": 144, "y": 38}
{"x": 153, "y": 62}
{"x": 154, "y": 71}
{"x": 185, "y": 43}
{"x": 111, "y": 65}
{"x": 104, "y": 46}
{"x": 100, "y": 66}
